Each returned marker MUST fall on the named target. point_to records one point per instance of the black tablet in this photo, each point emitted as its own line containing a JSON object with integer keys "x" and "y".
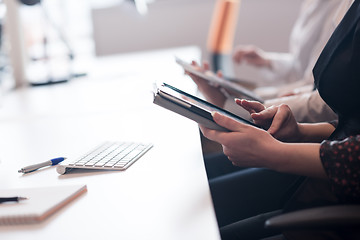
{"x": 225, "y": 83}
{"x": 192, "y": 107}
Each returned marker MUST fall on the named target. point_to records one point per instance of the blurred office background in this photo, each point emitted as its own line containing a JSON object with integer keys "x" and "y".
{"x": 94, "y": 28}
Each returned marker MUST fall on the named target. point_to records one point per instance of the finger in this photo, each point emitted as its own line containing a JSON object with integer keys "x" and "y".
{"x": 251, "y": 55}
{"x": 232, "y": 161}
{"x": 206, "y": 65}
{"x": 280, "y": 118}
{"x": 250, "y": 106}
{"x": 235, "y": 58}
{"x": 239, "y": 54}
{"x": 194, "y": 63}
{"x": 214, "y": 135}
{"x": 267, "y": 114}
{"x": 205, "y": 131}
{"x": 238, "y": 57}
{"x": 227, "y": 122}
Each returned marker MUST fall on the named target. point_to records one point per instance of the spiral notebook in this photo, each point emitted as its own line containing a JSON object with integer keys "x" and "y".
{"x": 42, "y": 202}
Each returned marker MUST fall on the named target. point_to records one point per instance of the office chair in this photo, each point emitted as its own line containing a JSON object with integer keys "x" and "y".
{"x": 330, "y": 222}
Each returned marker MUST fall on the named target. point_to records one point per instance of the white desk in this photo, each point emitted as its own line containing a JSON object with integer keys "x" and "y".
{"x": 164, "y": 195}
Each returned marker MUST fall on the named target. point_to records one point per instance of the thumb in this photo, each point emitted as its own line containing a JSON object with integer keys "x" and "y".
{"x": 227, "y": 122}
{"x": 279, "y": 119}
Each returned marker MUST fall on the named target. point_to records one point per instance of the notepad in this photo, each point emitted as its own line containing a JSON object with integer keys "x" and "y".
{"x": 42, "y": 203}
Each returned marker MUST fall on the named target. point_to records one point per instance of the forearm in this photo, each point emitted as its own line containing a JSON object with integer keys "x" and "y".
{"x": 297, "y": 158}
{"x": 315, "y": 132}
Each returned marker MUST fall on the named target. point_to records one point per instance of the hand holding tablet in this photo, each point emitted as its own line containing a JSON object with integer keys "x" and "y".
{"x": 213, "y": 79}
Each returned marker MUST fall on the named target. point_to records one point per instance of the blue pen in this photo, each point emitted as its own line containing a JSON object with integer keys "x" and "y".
{"x": 34, "y": 167}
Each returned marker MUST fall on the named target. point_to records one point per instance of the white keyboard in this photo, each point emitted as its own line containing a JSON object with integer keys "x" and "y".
{"x": 107, "y": 156}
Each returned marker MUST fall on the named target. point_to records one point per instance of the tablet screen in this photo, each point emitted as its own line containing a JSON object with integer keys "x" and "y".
{"x": 205, "y": 107}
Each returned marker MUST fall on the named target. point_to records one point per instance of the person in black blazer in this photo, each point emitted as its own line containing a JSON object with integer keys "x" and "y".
{"x": 327, "y": 154}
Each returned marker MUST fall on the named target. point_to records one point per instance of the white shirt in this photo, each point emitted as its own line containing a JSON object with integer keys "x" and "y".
{"x": 316, "y": 22}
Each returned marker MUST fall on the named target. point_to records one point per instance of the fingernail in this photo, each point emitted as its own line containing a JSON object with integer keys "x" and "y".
{"x": 214, "y": 115}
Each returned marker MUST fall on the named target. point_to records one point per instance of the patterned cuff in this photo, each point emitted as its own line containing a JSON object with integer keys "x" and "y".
{"x": 341, "y": 161}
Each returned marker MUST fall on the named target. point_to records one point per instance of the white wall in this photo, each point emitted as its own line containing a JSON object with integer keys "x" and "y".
{"x": 267, "y": 23}
{"x": 172, "y": 23}
{"x": 168, "y": 23}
